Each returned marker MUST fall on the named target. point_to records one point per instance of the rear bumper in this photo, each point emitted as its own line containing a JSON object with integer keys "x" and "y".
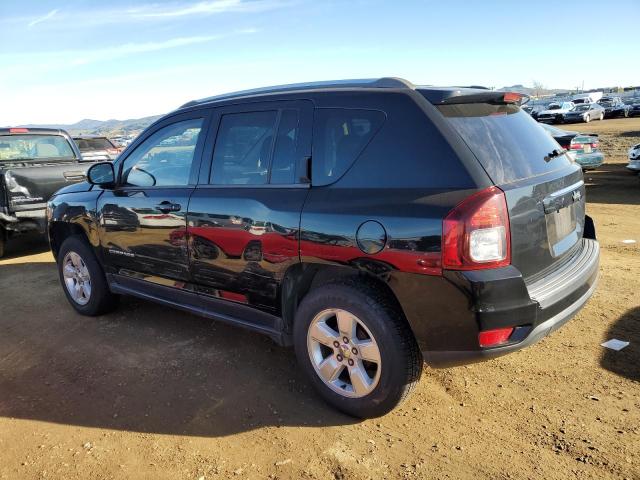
{"x": 452, "y": 358}
{"x": 634, "y": 166}
{"x": 590, "y": 160}
{"x": 500, "y": 298}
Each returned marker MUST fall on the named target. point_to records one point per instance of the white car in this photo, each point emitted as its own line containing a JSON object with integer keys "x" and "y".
{"x": 634, "y": 158}
{"x": 555, "y": 112}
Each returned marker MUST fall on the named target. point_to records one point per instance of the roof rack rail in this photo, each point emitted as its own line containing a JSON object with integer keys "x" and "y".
{"x": 384, "y": 82}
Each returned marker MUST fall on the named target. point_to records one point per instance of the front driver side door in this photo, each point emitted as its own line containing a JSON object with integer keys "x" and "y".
{"x": 142, "y": 220}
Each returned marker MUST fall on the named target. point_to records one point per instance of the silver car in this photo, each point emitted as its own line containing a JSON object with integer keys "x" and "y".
{"x": 634, "y": 158}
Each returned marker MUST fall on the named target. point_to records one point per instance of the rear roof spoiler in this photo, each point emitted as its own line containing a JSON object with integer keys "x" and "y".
{"x": 451, "y": 96}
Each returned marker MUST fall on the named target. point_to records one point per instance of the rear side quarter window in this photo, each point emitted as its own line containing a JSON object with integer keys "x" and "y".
{"x": 339, "y": 137}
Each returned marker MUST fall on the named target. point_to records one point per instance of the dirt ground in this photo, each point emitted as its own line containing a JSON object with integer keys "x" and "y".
{"x": 148, "y": 392}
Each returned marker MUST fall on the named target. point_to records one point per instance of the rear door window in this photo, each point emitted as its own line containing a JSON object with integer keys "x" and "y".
{"x": 261, "y": 144}
{"x": 283, "y": 168}
{"x": 509, "y": 144}
{"x": 339, "y": 136}
{"x": 243, "y": 148}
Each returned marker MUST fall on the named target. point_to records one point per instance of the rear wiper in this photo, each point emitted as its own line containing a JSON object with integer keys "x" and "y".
{"x": 555, "y": 153}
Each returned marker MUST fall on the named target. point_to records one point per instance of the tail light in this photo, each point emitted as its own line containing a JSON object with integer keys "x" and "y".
{"x": 475, "y": 234}
{"x": 491, "y": 338}
{"x": 575, "y": 146}
{"x": 594, "y": 145}
{"x": 113, "y": 151}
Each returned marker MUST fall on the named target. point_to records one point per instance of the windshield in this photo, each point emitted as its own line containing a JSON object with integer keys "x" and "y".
{"x": 88, "y": 144}
{"x": 509, "y": 144}
{"x": 554, "y": 106}
{"x": 35, "y": 147}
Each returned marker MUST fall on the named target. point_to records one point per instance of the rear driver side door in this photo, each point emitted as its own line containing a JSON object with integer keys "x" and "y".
{"x": 244, "y": 215}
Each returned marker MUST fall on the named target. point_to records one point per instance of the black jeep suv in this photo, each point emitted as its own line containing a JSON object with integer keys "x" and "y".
{"x": 369, "y": 223}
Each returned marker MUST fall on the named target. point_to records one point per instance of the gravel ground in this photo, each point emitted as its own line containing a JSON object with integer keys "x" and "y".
{"x": 148, "y": 392}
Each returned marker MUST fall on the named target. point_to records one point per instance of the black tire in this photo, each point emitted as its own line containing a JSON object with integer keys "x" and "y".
{"x": 101, "y": 300}
{"x": 401, "y": 360}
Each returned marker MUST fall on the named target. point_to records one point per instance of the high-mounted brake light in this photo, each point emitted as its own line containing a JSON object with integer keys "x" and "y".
{"x": 475, "y": 234}
{"x": 491, "y": 338}
{"x": 511, "y": 97}
{"x": 18, "y": 130}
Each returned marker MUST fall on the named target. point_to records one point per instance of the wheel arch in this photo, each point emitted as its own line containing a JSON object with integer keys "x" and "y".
{"x": 59, "y": 231}
{"x": 300, "y": 279}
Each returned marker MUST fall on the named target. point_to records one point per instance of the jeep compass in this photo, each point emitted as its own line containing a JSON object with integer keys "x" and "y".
{"x": 373, "y": 225}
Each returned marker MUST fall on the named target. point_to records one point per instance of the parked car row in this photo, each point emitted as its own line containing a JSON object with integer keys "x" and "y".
{"x": 583, "y": 109}
{"x": 569, "y": 112}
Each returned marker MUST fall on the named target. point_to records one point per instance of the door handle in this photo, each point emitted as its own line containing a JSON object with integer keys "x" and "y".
{"x": 167, "y": 206}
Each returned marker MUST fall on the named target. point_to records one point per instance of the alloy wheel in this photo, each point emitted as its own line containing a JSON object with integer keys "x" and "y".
{"x": 77, "y": 279}
{"x": 344, "y": 353}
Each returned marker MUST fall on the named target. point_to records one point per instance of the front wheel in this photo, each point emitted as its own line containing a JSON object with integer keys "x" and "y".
{"x": 83, "y": 279}
{"x": 587, "y": 119}
{"x": 356, "y": 348}
{"x": 602, "y": 116}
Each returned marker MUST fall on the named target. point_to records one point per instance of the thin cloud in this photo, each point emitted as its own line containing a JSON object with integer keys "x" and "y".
{"x": 126, "y": 49}
{"x": 19, "y": 64}
{"x": 147, "y": 12}
{"x": 204, "y": 8}
{"x": 49, "y": 15}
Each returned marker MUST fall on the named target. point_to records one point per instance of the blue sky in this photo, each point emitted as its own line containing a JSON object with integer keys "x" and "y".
{"x": 62, "y": 61}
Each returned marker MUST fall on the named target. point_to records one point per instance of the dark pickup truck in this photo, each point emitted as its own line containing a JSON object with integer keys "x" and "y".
{"x": 34, "y": 163}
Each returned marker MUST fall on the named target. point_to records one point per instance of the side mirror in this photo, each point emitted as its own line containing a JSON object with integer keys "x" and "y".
{"x": 102, "y": 174}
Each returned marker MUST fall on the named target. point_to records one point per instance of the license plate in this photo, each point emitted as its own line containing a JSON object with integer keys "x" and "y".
{"x": 586, "y": 148}
{"x": 565, "y": 221}
{"x": 560, "y": 225}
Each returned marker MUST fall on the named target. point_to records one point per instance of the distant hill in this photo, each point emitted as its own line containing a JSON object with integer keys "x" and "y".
{"x": 531, "y": 91}
{"x": 109, "y": 128}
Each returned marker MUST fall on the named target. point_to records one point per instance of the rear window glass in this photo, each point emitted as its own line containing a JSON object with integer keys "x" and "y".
{"x": 509, "y": 144}
{"x": 88, "y": 144}
{"x": 35, "y": 147}
{"x": 339, "y": 136}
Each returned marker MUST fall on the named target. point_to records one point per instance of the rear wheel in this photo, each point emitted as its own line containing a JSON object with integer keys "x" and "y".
{"x": 587, "y": 118}
{"x": 626, "y": 114}
{"x": 602, "y": 116}
{"x": 356, "y": 348}
{"x": 83, "y": 279}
